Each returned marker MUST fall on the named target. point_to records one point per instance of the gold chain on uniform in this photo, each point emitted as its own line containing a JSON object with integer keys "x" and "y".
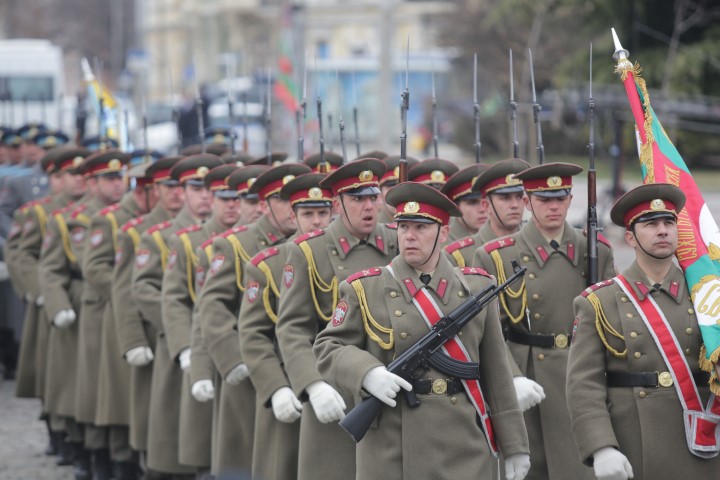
{"x": 522, "y": 291}
{"x": 269, "y": 286}
{"x": 162, "y": 246}
{"x": 240, "y": 256}
{"x": 602, "y": 324}
{"x": 316, "y": 281}
{"x": 367, "y": 317}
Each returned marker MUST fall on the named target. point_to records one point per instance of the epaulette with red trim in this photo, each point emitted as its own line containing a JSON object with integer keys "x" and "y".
{"x": 309, "y": 235}
{"x": 264, "y": 255}
{"x": 109, "y": 209}
{"x": 391, "y": 225}
{"x": 79, "y": 210}
{"x": 601, "y": 238}
{"x": 208, "y": 242}
{"x": 234, "y": 230}
{"x": 474, "y": 271}
{"x": 133, "y": 222}
{"x": 369, "y": 272}
{"x": 191, "y": 228}
{"x": 63, "y": 210}
{"x": 27, "y": 205}
{"x": 458, "y": 244}
{"x": 596, "y": 286}
{"x": 499, "y": 243}
{"x": 159, "y": 226}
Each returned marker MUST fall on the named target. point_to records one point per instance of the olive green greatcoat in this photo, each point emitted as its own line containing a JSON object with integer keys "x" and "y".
{"x": 552, "y": 280}
{"x": 218, "y": 308}
{"x": 336, "y": 255}
{"x": 277, "y": 454}
{"x": 458, "y": 230}
{"x": 644, "y": 423}
{"x": 113, "y": 405}
{"x": 462, "y": 251}
{"x": 61, "y": 285}
{"x": 178, "y": 299}
{"x": 440, "y": 439}
{"x": 150, "y": 263}
{"x": 131, "y": 330}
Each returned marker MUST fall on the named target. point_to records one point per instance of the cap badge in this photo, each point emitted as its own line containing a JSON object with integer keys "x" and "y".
{"x": 511, "y": 180}
{"x": 657, "y": 204}
{"x": 396, "y": 171}
{"x": 202, "y": 171}
{"x": 219, "y": 138}
{"x": 251, "y": 181}
{"x": 315, "y": 193}
{"x": 50, "y": 141}
{"x": 287, "y": 179}
{"x": 554, "y": 181}
{"x": 365, "y": 176}
{"x": 114, "y": 164}
{"x": 77, "y": 161}
{"x": 437, "y": 176}
{"x": 411, "y": 207}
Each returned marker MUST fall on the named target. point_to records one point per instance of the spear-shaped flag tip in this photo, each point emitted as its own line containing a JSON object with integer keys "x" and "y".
{"x": 620, "y": 52}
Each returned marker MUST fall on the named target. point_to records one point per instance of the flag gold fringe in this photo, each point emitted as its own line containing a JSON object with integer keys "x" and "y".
{"x": 707, "y": 364}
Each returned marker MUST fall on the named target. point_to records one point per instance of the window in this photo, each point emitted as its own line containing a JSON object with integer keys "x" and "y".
{"x": 20, "y": 88}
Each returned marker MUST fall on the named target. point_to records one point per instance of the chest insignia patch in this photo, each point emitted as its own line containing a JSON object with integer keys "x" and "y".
{"x": 288, "y": 275}
{"x": 142, "y": 258}
{"x": 252, "y": 291}
{"x": 340, "y": 312}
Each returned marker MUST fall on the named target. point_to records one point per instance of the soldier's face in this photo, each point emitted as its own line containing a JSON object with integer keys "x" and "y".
{"x": 110, "y": 188}
{"x": 57, "y": 182}
{"x": 548, "y": 213}
{"x": 389, "y": 209}
{"x": 226, "y": 210}
{"x": 199, "y": 200}
{"x": 658, "y": 237}
{"x": 417, "y": 242}
{"x": 359, "y": 213}
{"x": 74, "y": 185}
{"x": 508, "y": 208}
{"x": 250, "y": 210}
{"x": 280, "y": 212}
{"x": 312, "y": 218}
{"x": 474, "y": 213}
{"x": 172, "y": 198}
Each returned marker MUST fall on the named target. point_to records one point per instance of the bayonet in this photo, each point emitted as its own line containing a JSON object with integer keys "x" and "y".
{"x": 405, "y": 106}
{"x": 199, "y": 107}
{"x": 355, "y": 115}
{"x": 592, "y": 220}
{"x": 331, "y": 131}
{"x": 513, "y": 111}
{"x": 476, "y": 111}
{"x": 143, "y": 110}
{"x": 341, "y": 122}
{"x": 323, "y": 166}
{"x": 101, "y": 105}
{"x": 536, "y": 113}
{"x": 230, "y": 104}
{"x": 175, "y": 112}
{"x": 268, "y": 115}
{"x": 300, "y": 115}
{"x": 434, "y": 113}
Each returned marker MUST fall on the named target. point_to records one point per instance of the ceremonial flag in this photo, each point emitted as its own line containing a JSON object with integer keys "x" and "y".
{"x": 107, "y": 110}
{"x": 698, "y": 250}
{"x": 286, "y": 88}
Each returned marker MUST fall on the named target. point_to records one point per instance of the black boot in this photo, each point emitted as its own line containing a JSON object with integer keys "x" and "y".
{"x": 54, "y": 439}
{"x": 83, "y": 469}
{"x": 127, "y": 471}
{"x": 67, "y": 450}
{"x": 102, "y": 467}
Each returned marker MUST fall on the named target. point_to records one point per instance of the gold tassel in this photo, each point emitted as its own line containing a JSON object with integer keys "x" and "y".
{"x": 240, "y": 256}
{"x": 270, "y": 286}
{"x": 42, "y": 219}
{"x": 602, "y": 325}
{"x": 135, "y": 237}
{"x": 522, "y": 291}
{"x": 316, "y": 282}
{"x": 162, "y": 246}
{"x": 459, "y": 258}
{"x": 368, "y": 319}
{"x": 65, "y": 235}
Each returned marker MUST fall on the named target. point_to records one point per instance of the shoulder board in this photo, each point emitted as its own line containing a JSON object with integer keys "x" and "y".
{"x": 264, "y": 255}
{"x": 458, "y": 244}
{"x": 370, "y": 272}
{"x": 603, "y": 239}
{"x": 391, "y": 225}
{"x": 78, "y": 210}
{"x": 499, "y": 243}
{"x": 159, "y": 226}
{"x": 44, "y": 200}
{"x": 109, "y": 209}
{"x": 63, "y": 210}
{"x": 234, "y": 230}
{"x": 134, "y": 222}
{"x": 208, "y": 242}
{"x": 596, "y": 286}
{"x": 474, "y": 271}
{"x": 191, "y": 228}
{"x": 309, "y": 235}
{"x": 27, "y": 205}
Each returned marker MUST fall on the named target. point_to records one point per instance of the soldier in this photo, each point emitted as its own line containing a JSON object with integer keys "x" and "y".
{"x": 352, "y": 354}
{"x": 322, "y": 259}
{"x": 136, "y": 335}
{"x": 111, "y": 405}
{"x": 333, "y": 161}
{"x": 389, "y": 180}
{"x": 538, "y": 313}
{"x": 178, "y": 299}
{"x": 277, "y": 427}
{"x": 459, "y": 189}
{"x": 218, "y": 309}
{"x": 152, "y": 259}
{"x": 634, "y": 386}
{"x": 502, "y": 200}
{"x": 61, "y": 286}
{"x": 432, "y": 171}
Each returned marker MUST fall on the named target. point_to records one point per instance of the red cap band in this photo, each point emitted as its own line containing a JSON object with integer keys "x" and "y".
{"x": 651, "y": 206}
{"x": 419, "y": 209}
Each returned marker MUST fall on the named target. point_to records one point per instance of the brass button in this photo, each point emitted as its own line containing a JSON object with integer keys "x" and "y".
{"x": 537, "y": 316}
{"x": 688, "y": 331}
{"x": 536, "y": 296}
{"x": 642, "y": 394}
{"x": 398, "y": 313}
{"x": 633, "y": 334}
{"x": 334, "y": 252}
{"x": 263, "y": 242}
{"x": 403, "y": 335}
{"x": 582, "y": 274}
{"x": 461, "y": 294}
{"x": 691, "y": 311}
{"x": 341, "y": 267}
{"x": 459, "y": 334}
{"x": 453, "y": 400}
{"x": 687, "y": 351}
{"x": 624, "y": 299}
{"x": 629, "y": 315}
{"x": 541, "y": 356}
{"x": 526, "y": 258}
{"x": 638, "y": 354}
{"x": 532, "y": 275}
{"x": 393, "y": 294}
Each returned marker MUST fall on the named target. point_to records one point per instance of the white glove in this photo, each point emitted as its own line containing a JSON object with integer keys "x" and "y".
{"x": 4, "y": 273}
{"x": 184, "y": 359}
{"x": 237, "y": 374}
{"x": 529, "y": 393}
{"x": 327, "y": 403}
{"x": 139, "y": 356}
{"x": 517, "y": 466}
{"x": 286, "y": 405}
{"x": 384, "y": 385}
{"x": 64, "y": 318}
{"x": 40, "y": 301}
{"x": 610, "y": 464}
{"x": 203, "y": 390}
